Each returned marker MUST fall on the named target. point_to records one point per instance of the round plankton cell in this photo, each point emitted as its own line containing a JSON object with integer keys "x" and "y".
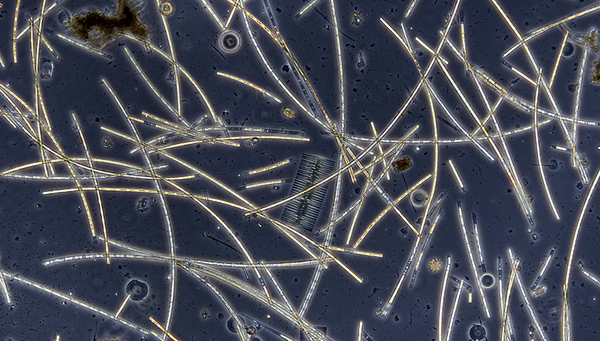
{"x": 137, "y": 289}
{"x": 251, "y": 330}
{"x": 419, "y": 198}
{"x": 166, "y": 8}
{"x": 230, "y": 41}
{"x": 477, "y": 332}
{"x": 487, "y": 280}
{"x": 435, "y": 265}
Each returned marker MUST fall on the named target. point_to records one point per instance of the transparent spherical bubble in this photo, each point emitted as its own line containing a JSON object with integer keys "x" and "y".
{"x": 126, "y": 218}
{"x": 230, "y": 41}
{"x": 569, "y": 49}
{"x": 487, "y": 280}
{"x": 232, "y": 325}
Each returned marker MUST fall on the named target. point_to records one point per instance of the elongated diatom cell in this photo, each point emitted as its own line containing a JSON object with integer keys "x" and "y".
{"x": 304, "y": 211}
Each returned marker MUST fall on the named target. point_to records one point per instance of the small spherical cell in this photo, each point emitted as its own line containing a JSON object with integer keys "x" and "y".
{"x": 419, "y": 198}
{"x": 477, "y": 332}
{"x": 166, "y": 8}
{"x": 487, "y": 280}
{"x": 435, "y": 265}
{"x": 230, "y": 41}
{"x": 137, "y": 289}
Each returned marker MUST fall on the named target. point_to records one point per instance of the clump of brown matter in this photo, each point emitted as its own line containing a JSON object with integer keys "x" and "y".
{"x": 99, "y": 30}
{"x": 402, "y": 164}
{"x": 596, "y": 72}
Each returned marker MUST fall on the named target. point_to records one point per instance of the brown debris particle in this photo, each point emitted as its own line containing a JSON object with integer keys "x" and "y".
{"x": 596, "y": 72}
{"x": 99, "y": 30}
{"x": 402, "y": 164}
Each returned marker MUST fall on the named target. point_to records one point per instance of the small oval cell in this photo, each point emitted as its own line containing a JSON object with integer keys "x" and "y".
{"x": 230, "y": 41}
{"x": 63, "y": 16}
{"x": 137, "y": 289}
{"x": 553, "y": 164}
{"x": 46, "y": 68}
{"x": 288, "y": 112}
{"x": 419, "y": 198}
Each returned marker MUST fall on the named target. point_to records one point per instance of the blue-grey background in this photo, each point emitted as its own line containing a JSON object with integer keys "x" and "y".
{"x": 35, "y": 227}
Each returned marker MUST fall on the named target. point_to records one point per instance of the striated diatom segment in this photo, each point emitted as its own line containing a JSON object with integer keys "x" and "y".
{"x": 304, "y": 211}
